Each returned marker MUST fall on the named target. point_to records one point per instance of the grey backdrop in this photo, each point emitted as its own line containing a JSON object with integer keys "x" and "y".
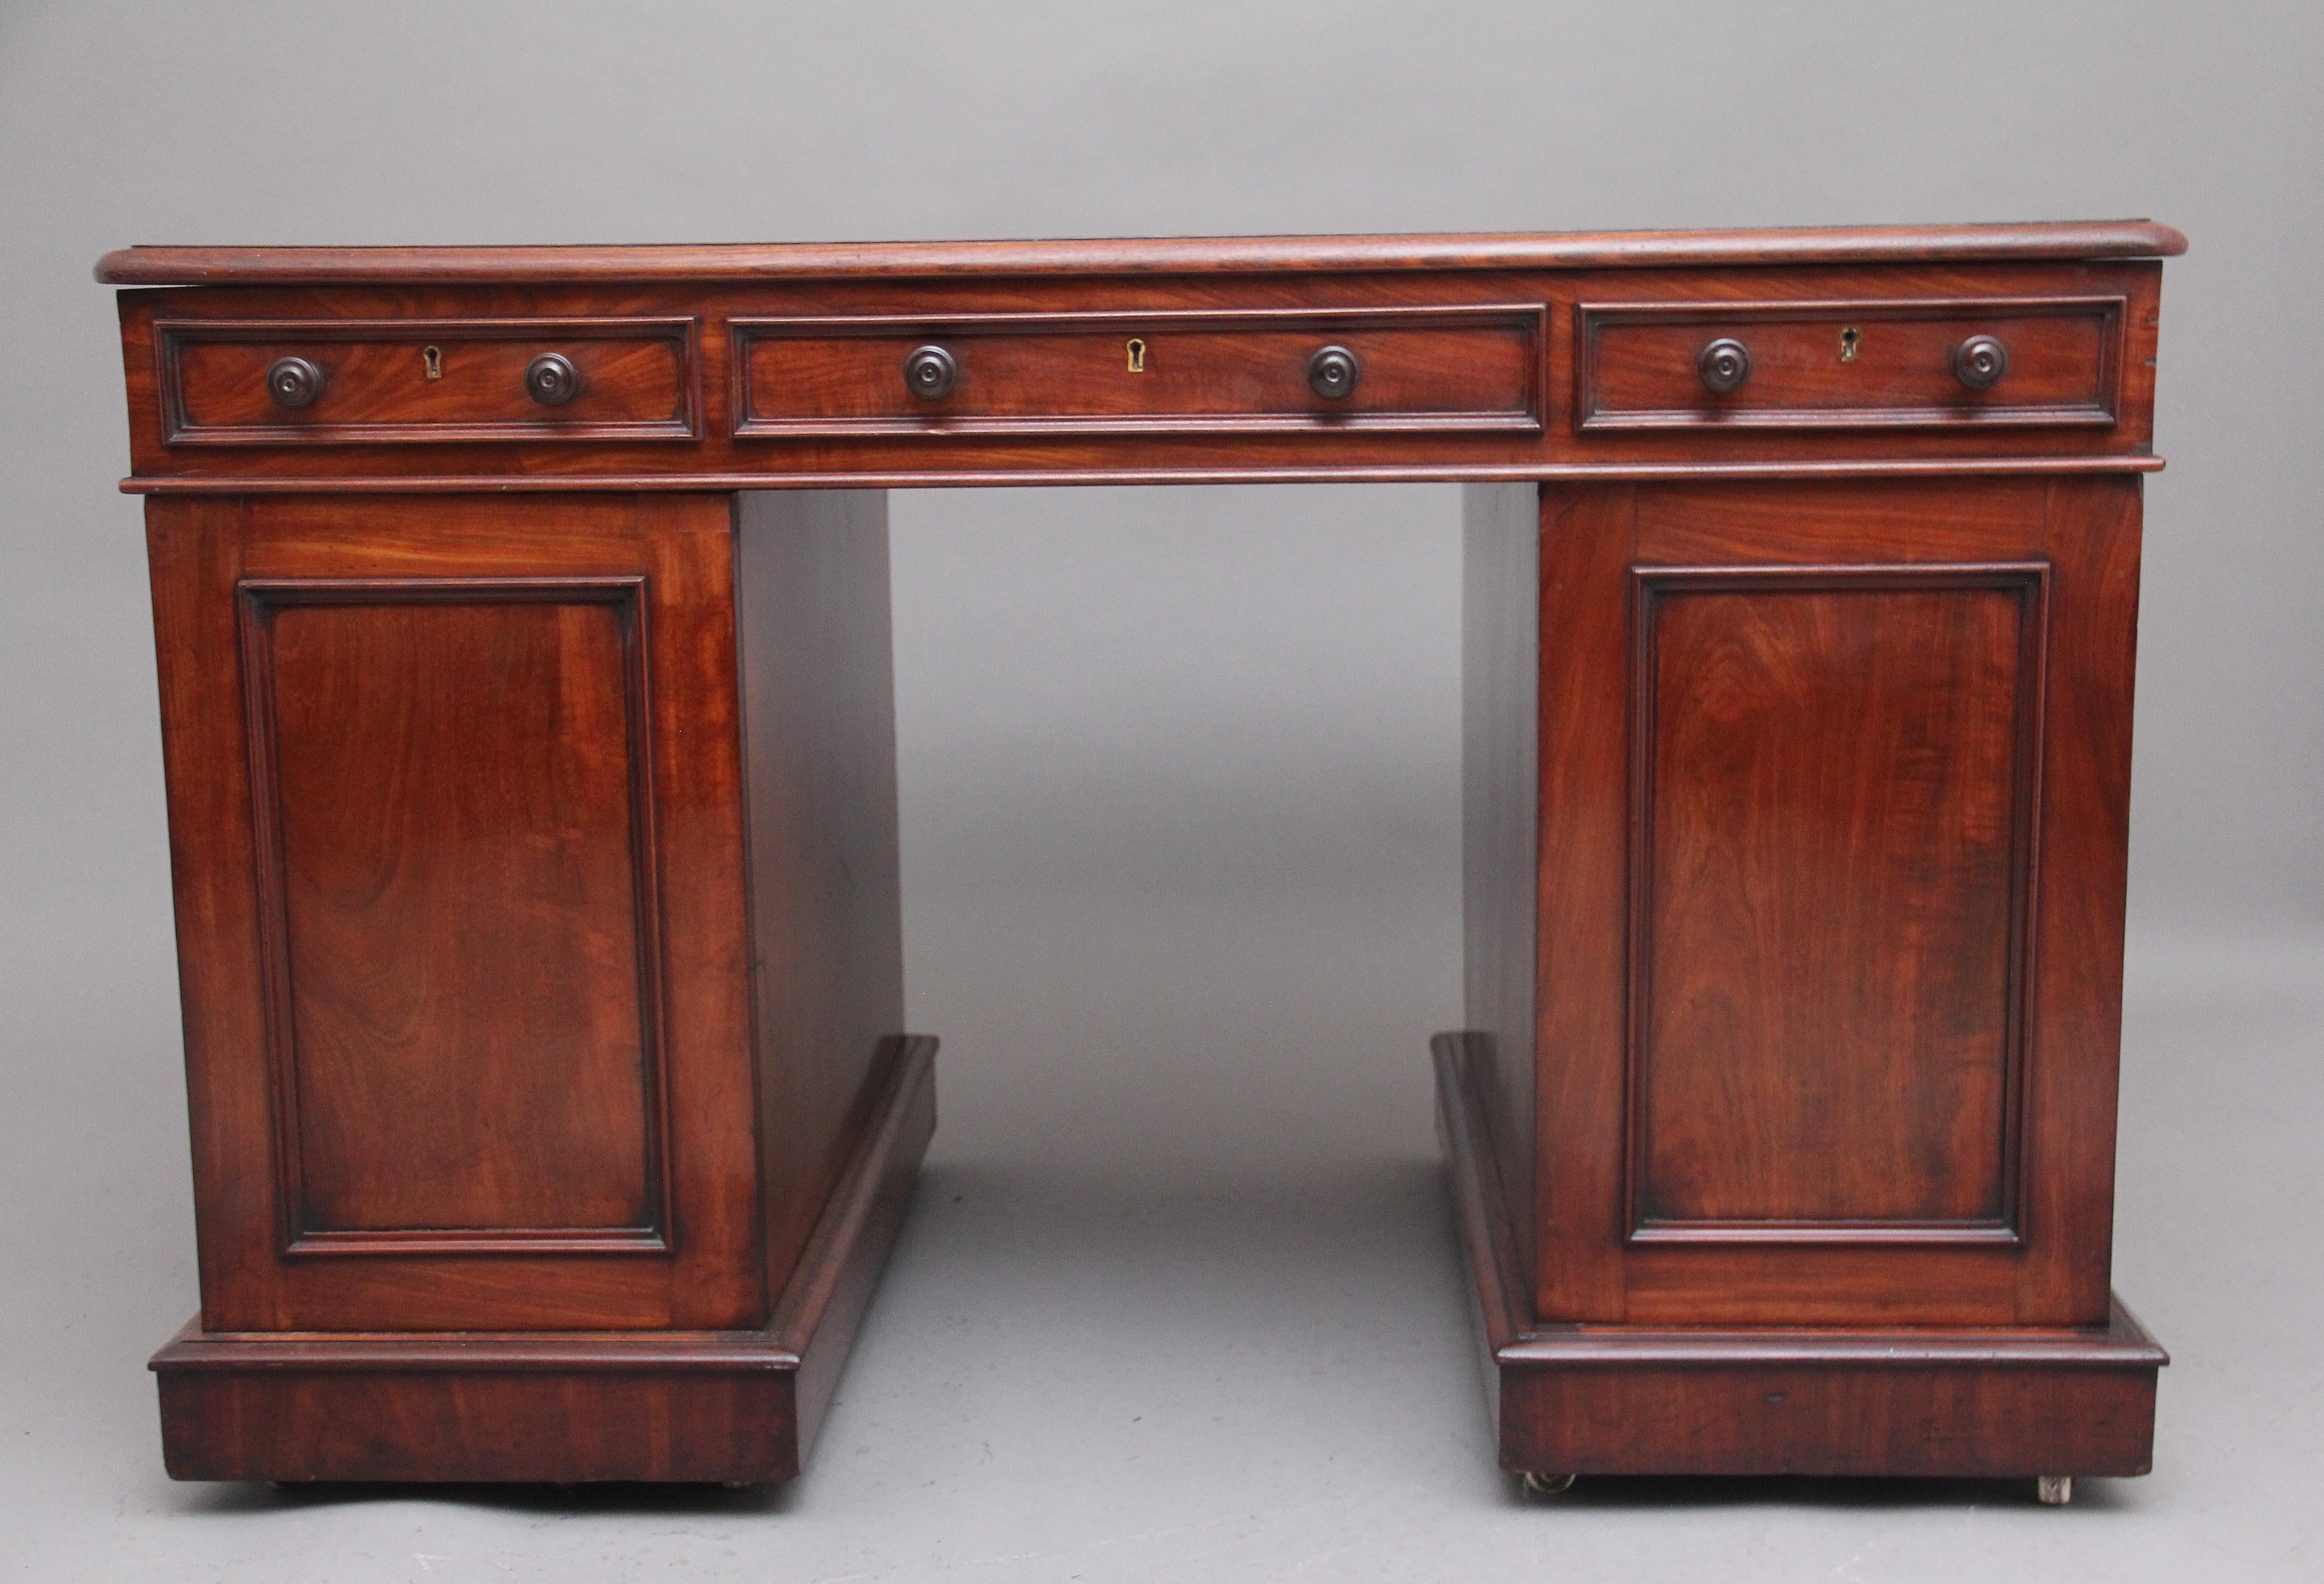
{"x": 1180, "y": 770}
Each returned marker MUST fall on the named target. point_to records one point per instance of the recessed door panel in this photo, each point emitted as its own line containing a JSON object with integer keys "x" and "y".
{"x": 450, "y": 781}
{"x": 457, "y": 829}
{"x": 1830, "y": 901}
{"x": 1833, "y": 799}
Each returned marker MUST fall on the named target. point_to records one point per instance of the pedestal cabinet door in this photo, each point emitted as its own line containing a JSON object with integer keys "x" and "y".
{"x": 454, "y": 794}
{"x": 1852, "y": 757}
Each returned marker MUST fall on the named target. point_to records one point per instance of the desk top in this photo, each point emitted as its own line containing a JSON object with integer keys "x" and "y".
{"x": 1576, "y": 250}
{"x": 2017, "y": 348}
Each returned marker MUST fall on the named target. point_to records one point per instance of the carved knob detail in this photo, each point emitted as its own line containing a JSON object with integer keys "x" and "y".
{"x": 1332, "y": 372}
{"x": 1980, "y": 361}
{"x": 1725, "y": 365}
{"x": 293, "y": 381}
{"x": 931, "y": 373}
{"x": 551, "y": 380}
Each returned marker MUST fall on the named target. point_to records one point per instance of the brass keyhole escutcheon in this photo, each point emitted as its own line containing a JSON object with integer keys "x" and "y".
{"x": 1136, "y": 355}
{"x": 1849, "y": 340}
{"x": 431, "y": 360}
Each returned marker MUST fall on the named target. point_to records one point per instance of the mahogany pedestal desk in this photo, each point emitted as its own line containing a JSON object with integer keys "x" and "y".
{"x": 524, "y": 657}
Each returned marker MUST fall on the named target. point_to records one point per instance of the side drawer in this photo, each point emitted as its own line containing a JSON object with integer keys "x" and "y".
{"x": 1424, "y": 369}
{"x": 1848, "y": 365}
{"x": 326, "y": 382}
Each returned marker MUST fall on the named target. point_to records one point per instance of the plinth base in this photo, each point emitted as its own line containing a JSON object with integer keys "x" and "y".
{"x": 734, "y": 1407}
{"x": 1941, "y": 1401}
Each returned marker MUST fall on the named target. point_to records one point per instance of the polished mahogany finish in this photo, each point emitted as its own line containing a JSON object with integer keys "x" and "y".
{"x": 1832, "y": 756}
{"x": 1161, "y": 371}
{"x": 395, "y": 893}
{"x": 1919, "y": 364}
{"x": 1466, "y": 373}
{"x": 1501, "y": 607}
{"x": 730, "y": 1407}
{"x": 1955, "y": 1400}
{"x": 1885, "y": 724}
{"x": 406, "y": 380}
{"x": 453, "y": 776}
{"x": 1148, "y": 255}
{"x": 528, "y": 718}
{"x": 819, "y": 787}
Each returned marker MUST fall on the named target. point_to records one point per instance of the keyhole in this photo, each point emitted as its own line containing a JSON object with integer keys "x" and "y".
{"x": 431, "y": 358}
{"x": 1849, "y": 338}
{"x": 1136, "y": 355}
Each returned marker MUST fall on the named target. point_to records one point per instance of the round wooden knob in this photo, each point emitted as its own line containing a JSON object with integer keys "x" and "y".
{"x": 293, "y": 381}
{"x": 1980, "y": 361}
{"x": 931, "y": 373}
{"x": 1332, "y": 372}
{"x": 551, "y": 380}
{"x": 1725, "y": 365}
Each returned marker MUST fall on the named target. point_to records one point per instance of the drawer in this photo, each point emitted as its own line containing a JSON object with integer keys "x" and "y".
{"x": 1203, "y": 372}
{"x": 336, "y": 381}
{"x": 1848, "y": 365}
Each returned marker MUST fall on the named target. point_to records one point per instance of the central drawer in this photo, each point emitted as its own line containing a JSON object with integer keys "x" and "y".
{"x": 1275, "y": 371}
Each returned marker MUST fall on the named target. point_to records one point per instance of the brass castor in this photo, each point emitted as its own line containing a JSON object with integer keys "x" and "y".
{"x": 2054, "y": 1489}
{"x": 1547, "y": 1484}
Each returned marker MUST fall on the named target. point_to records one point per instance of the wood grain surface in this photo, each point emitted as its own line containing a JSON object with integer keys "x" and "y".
{"x": 532, "y": 804}
{"x": 497, "y": 864}
{"x": 827, "y": 889}
{"x": 728, "y": 1406}
{"x": 1925, "y": 1401}
{"x": 1859, "y": 893}
{"x": 1500, "y": 777}
{"x": 1834, "y": 775}
{"x": 1870, "y": 364}
{"x": 1439, "y": 369}
{"x": 801, "y": 378}
{"x": 418, "y": 379}
{"x": 451, "y": 781}
{"x": 314, "y": 266}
